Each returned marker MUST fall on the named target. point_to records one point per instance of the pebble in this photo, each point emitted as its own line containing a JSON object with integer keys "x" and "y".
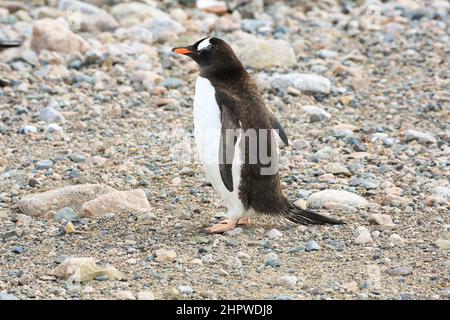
{"x": 273, "y": 234}
{"x": 18, "y": 250}
{"x": 363, "y": 236}
{"x": 50, "y": 115}
{"x": 443, "y": 244}
{"x": 165, "y": 256}
{"x": 234, "y": 232}
{"x": 272, "y": 260}
{"x": 383, "y": 220}
{"x": 27, "y": 129}
{"x": 53, "y": 128}
{"x": 185, "y": 290}
{"x": 316, "y": 114}
{"x": 76, "y": 157}
{"x": 7, "y": 296}
{"x": 325, "y": 54}
{"x": 312, "y": 246}
{"x": 396, "y": 240}
{"x": 124, "y": 295}
{"x": 67, "y": 214}
{"x": 145, "y": 295}
{"x": 234, "y": 263}
{"x": 400, "y": 271}
{"x": 287, "y": 281}
{"x": 44, "y": 164}
{"x": 421, "y": 137}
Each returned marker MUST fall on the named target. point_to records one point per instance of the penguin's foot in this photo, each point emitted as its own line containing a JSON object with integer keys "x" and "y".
{"x": 244, "y": 221}
{"x": 222, "y": 226}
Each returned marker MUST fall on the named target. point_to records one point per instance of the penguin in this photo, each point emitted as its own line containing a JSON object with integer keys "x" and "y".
{"x": 5, "y": 44}
{"x": 235, "y": 137}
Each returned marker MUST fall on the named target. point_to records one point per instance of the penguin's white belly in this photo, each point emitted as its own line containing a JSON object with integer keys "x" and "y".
{"x": 207, "y": 128}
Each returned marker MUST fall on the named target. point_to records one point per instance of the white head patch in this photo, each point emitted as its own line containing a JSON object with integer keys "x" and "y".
{"x": 204, "y": 44}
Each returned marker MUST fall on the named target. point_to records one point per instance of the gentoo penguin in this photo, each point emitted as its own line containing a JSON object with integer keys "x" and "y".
{"x": 234, "y": 134}
{"x": 5, "y": 44}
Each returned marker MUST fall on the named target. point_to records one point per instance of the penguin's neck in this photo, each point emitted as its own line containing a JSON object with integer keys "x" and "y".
{"x": 231, "y": 73}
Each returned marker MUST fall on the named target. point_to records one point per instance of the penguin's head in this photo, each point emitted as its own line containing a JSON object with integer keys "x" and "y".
{"x": 209, "y": 51}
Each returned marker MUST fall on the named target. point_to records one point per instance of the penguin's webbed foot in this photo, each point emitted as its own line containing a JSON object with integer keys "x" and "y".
{"x": 222, "y": 226}
{"x": 244, "y": 221}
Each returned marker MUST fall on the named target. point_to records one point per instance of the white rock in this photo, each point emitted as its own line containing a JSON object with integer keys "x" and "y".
{"x": 363, "y": 236}
{"x": 124, "y": 295}
{"x": 316, "y": 114}
{"x": 421, "y": 137}
{"x": 382, "y": 220}
{"x": 396, "y": 240}
{"x": 301, "y": 81}
{"x": 443, "y": 244}
{"x": 321, "y": 198}
{"x": 287, "y": 281}
{"x": 145, "y": 295}
{"x": 234, "y": 263}
{"x": 163, "y": 255}
{"x": 139, "y": 10}
{"x": 273, "y": 234}
{"x": 260, "y": 53}
{"x": 185, "y": 290}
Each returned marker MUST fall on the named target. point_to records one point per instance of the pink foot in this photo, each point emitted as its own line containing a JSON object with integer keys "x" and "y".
{"x": 244, "y": 221}
{"x": 222, "y": 226}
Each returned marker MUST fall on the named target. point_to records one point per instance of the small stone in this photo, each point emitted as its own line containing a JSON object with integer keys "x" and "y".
{"x": 197, "y": 262}
{"x": 363, "y": 236}
{"x": 69, "y": 228}
{"x": 18, "y": 250}
{"x": 400, "y": 271}
{"x": 272, "y": 260}
{"x": 287, "y": 281}
{"x": 67, "y": 214}
{"x": 301, "y": 204}
{"x": 53, "y": 128}
{"x": 7, "y": 296}
{"x": 301, "y": 81}
{"x": 383, "y": 220}
{"x": 234, "y": 232}
{"x": 44, "y": 164}
{"x": 185, "y": 290}
{"x": 443, "y": 244}
{"x": 396, "y": 240}
{"x": 76, "y": 157}
{"x": 337, "y": 169}
{"x": 325, "y": 54}
{"x": 165, "y": 256}
{"x": 234, "y": 263}
{"x": 27, "y": 129}
{"x": 421, "y": 137}
{"x": 312, "y": 246}
{"x": 316, "y": 114}
{"x": 49, "y": 115}
{"x": 145, "y": 295}
{"x": 273, "y": 234}
{"x": 124, "y": 295}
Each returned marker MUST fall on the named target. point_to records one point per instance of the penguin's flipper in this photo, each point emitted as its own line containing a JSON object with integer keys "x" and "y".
{"x": 228, "y": 137}
{"x": 279, "y": 128}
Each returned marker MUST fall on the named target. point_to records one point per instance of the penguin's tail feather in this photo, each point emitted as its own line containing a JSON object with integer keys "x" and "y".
{"x": 305, "y": 216}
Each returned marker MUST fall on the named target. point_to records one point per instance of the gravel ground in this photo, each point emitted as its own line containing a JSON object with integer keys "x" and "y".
{"x": 108, "y": 103}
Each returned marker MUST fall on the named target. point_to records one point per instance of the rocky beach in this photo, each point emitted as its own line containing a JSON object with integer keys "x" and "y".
{"x": 102, "y": 195}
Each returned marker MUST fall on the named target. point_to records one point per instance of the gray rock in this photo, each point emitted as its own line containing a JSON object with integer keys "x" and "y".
{"x": 365, "y": 183}
{"x": 77, "y": 157}
{"x": 162, "y": 27}
{"x": 324, "y": 54}
{"x": 7, "y": 296}
{"x": 44, "y": 164}
{"x": 67, "y": 214}
{"x": 321, "y": 198}
{"x": 273, "y": 234}
{"x": 421, "y": 137}
{"x": 312, "y": 246}
{"x": 18, "y": 250}
{"x": 171, "y": 83}
{"x": 272, "y": 260}
{"x": 316, "y": 114}
{"x": 234, "y": 263}
{"x": 257, "y": 26}
{"x": 48, "y": 114}
{"x": 400, "y": 271}
{"x": 443, "y": 244}
{"x": 136, "y": 9}
{"x": 301, "y": 81}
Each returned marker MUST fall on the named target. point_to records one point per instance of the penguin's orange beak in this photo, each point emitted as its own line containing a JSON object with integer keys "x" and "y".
{"x": 182, "y": 50}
